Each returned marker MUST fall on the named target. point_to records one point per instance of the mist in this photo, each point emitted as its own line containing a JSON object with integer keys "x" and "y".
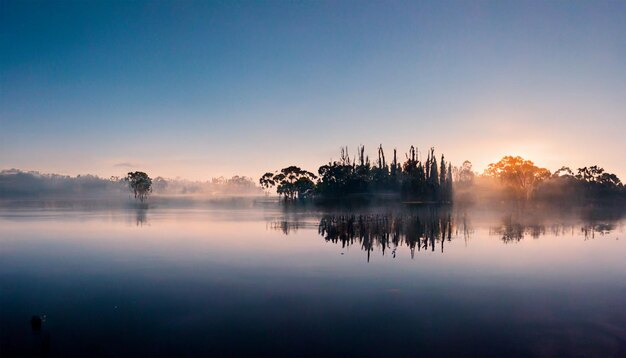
{"x": 16, "y": 184}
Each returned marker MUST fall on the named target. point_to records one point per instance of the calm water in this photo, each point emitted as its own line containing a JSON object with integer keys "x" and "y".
{"x": 257, "y": 280}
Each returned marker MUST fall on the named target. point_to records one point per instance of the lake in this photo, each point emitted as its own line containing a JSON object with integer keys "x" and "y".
{"x": 253, "y": 278}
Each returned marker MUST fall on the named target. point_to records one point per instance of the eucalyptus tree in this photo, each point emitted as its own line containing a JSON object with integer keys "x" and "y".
{"x": 521, "y": 175}
{"x": 140, "y": 184}
{"x": 292, "y": 182}
{"x": 356, "y": 177}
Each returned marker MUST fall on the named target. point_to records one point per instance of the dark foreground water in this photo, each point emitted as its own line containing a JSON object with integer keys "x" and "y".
{"x": 255, "y": 280}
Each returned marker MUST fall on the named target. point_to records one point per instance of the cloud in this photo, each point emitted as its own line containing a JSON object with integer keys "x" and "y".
{"x": 17, "y": 184}
{"x": 125, "y": 165}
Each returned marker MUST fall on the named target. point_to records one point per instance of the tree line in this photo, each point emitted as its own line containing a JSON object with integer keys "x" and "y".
{"x": 412, "y": 180}
{"x": 514, "y": 177}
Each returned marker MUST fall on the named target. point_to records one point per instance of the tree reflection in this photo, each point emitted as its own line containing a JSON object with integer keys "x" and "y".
{"x": 141, "y": 216}
{"x": 287, "y": 226}
{"x": 591, "y": 229}
{"x": 514, "y": 230}
{"x": 388, "y": 232}
{"x": 429, "y": 228}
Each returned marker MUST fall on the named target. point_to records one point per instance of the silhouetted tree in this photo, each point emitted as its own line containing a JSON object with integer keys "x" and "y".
{"x": 292, "y": 182}
{"x": 563, "y": 172}
{"x": 140, "y": 184}
{"x": 357, "y": 177}
{"x": 597, "y": 175}
{"x": 267, "y": 181}
{"x": 449, "y": 184}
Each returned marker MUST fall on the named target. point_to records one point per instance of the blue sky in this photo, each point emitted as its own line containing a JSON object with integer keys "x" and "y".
{"x": 203, "y": 89}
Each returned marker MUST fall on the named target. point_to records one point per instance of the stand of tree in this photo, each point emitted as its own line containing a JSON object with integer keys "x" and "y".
{"x": 515, "y": 178}
{"x": 412, "y": 180}
{"x": 588, "y": 185}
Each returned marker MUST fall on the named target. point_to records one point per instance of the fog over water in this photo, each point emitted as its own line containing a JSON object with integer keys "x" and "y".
{"x": 17, "y": 184}
{"x": 248, "y": 276}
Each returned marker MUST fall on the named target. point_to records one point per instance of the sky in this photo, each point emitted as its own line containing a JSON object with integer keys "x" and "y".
{"x": 206, "y": 89}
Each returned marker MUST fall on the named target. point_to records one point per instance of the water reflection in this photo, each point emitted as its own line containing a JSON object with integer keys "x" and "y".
{"x": 514, "y": 230}
{"x": 141, "y": 215}
{"x": 193, "y": 281}
{"x": 429, "y": 229}
{"x": 511, "y": 230}
{"x": 387, "y": 232}
{"x": 421, "y": 230}
{"x": 288, "y": 226}
{"x": 590, "y": 230}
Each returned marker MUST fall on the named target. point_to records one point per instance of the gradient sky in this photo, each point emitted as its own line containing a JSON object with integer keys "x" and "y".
{"x": 203, "y": 89}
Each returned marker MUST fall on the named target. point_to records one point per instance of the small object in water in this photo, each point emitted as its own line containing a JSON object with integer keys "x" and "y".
{"x": 35, "y": 323}
{"x": 342, "y": 253}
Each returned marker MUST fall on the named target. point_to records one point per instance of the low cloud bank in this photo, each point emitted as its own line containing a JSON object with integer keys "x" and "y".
{"x": 17, "y": 184}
